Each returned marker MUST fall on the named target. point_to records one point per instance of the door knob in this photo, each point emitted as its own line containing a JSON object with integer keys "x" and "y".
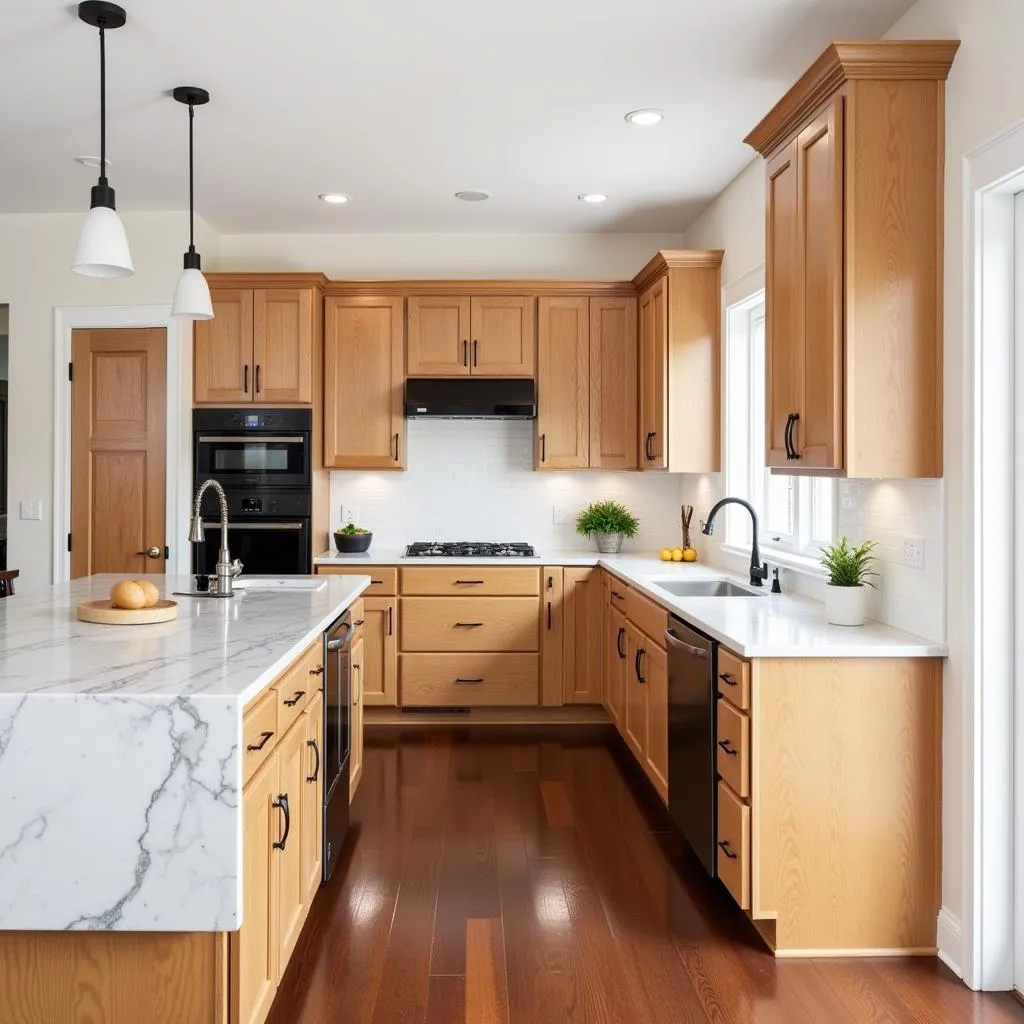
{"x": 153, "y": 552}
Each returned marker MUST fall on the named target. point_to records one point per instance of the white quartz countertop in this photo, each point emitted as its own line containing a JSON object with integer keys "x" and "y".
{"x": 763, "y": 626}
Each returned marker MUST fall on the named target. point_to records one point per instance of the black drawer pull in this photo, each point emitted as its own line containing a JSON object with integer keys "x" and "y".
{"x": 469, "y": 583}
{"x": 318, "y": 671}
{"x": 727, "y": 679}
{"x": 618, "y": 643}
{"x": 295, "y": 698}
{"x": 282, "y": 802}
{"x": 376, "y": 583}
{"x": 549, "y": 615}
{"x": 391, "y": 620}
{"x": 316, "y": 770}
{"x": 262, "y": 743}
{"x": 728, "y": 748}
{"x": 358, "y": 623}
{"x": 636, "y": 665}
{"x": 468, "y": 625}
{"x": 621, "y": 597}
{"x": 727, "y": 849}
{"x": 467, "y": 680}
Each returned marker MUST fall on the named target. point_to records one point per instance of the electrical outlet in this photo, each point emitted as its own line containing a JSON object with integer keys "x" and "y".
{"x": 913, "y": 552}
{"x": 560, "y": 515}
{"x": 349, "y": 514}
{"x": 31, "y": 510}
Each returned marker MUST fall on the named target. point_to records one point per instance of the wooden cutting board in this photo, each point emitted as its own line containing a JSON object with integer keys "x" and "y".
{"x": 106, "y": 613}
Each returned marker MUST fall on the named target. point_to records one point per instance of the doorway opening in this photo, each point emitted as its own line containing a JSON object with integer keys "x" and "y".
{"x": 4, "y": 375}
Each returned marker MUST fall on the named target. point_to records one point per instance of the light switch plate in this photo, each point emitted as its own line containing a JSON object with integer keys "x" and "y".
{"x": 349, "y": 514}
{"x": 31, "y": 510}
{"x": 560, "y": 515}
{"x": 913, "y": 552}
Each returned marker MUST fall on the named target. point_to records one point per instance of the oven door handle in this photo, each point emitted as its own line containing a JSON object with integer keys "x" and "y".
{"x": 251, "y": 439}
{"x": 210, "y": 525}
{"x": 337, "y": 645}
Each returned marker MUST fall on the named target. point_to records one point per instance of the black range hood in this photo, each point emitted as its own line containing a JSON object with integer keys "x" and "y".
{"x": 464, "y": 398}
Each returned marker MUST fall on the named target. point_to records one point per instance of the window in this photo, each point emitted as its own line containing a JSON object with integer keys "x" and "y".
{"x": 797, "y": 514}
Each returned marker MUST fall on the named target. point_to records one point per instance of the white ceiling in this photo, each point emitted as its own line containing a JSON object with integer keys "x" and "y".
{"x": 400, "y": 103}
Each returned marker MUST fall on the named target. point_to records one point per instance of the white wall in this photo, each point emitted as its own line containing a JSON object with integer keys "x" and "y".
{"x": 474, "y": 480}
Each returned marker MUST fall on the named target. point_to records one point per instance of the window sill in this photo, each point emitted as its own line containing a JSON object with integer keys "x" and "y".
{"x": 785, "y": 559}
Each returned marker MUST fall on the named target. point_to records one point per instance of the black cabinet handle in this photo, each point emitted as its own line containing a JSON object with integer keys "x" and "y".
{"x": 257, "y": 378}
{"x": 549, "y": 615}
{"x": 543, "y": 447}
{"x": 295, "y": 698}
{"x": 618, "y": 643}
{"x": 391, "y": 621}
{"x": 791, "y": 422}
{"x": 469, "y": 583}
{"x": 636, "y": 665}
{"x": 727, "y": 849}
{"x": 316, "y": 770}
{"x": 319, "y": 670}
{"x": 460, "y": 680}
{"x": 262, "y": 743}
{"x": 468, "y": 625}
{"x": 376, "y": 583}
{"x": 465, "y": 352}
{"x": 475, "y": 343}
{"x": 648, "y": 450}
{"x": 728, "y": 748}
{"x": 282, "y": 802}
{"x": 621, "y": 597}
{"x": 245, "y": 386}
{"x": 728, "y": 679}
{"x": 358, "y": 623}
{"x": 396, "y": 448}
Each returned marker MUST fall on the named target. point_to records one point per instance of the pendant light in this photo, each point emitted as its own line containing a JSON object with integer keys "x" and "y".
{"x": 192, "y": 294}
{"x": 103, "y": 245}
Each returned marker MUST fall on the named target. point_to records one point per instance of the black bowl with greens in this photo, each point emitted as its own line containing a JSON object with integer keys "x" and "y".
{"x": 351, "y": 540}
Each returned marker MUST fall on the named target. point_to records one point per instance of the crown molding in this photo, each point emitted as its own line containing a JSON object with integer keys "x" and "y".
{"x": 676, "y": 259}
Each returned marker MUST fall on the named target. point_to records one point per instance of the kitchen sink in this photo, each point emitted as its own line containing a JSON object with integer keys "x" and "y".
{"x": 704, "y": 588}
{"x": 279, "y": 583}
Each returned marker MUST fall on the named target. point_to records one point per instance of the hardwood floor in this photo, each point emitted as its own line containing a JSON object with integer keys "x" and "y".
{"x": 493, "y": 877}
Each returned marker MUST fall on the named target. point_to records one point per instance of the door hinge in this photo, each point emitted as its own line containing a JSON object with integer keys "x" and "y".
{"x": 167, "y": 552}
{"x": 71, "y": 371}
{"x": 69, "y": 542}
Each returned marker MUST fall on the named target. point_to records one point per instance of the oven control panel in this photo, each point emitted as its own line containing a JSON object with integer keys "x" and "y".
{"x": 252, "y": 505}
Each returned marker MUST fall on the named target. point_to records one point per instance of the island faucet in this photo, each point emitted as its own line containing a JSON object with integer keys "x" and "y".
{"x": 226, "y": 569}
{"x": 758, "y": 572}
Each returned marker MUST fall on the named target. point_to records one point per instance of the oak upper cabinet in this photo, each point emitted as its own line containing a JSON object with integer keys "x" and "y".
{"x": 854, "y": 213}
{"x": 581, "y": 646}
{"x": 364, "y": 376}
{"x": 613, "y": 383}
{"x": 489, "y": 335}
{"x": 260, "y": 347}
{"x": 680, "y": 362}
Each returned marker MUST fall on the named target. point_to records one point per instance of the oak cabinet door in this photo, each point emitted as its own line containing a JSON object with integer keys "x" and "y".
{"x": 653, "y": 440}
{"x": 312, "y": 798}
{"x": 364, "y": 378}
{"x": 439, "y": 342}
{"x": 287, "y": 845}
{"x": 616, "y": 661}
{"x": 551, "y": 636}
{"x": 282, "y": 326}
{"x": 654, "y": 668}
{"x": 223, "y": 369}
{"x": 255, "y": 946}
{"x": 563, "y": 383}
{"x": 503, "y": 342}
{"x": 581, "y": 622}
{"x": 378, "y": 680}
{"x": 613, "y": 383}
{"x": 635, "y": 694}
{"x": 358, "y": 657}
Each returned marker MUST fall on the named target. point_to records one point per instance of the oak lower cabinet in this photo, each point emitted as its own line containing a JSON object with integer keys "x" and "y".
{"x": 260, "y": 348}
{"x": 616, "y": 659}
{"x": 364, "y": 381}
{"x": 581, "y": 649}
{"x": 312, "y": 800}
{"x": 679, "y": 319}
{"x": 854, "y": 211}
{"x": 357, "y": 660}
{"x": 646, "y": 706}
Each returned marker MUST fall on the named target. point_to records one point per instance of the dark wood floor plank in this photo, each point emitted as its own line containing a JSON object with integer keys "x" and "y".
{"x": 486, "y": 978}
{"x": 446, "y": 1000}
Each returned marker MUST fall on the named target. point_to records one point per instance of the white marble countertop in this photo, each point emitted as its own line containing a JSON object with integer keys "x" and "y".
{"x": 764, "y": 626}
{"x": 120, "y": 781}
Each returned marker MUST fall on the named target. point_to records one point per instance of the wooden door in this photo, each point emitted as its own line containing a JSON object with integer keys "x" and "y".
{"x": 784, "y": 344}
{"x": 287, "y": 849}
{"x": 378, "y": 682}
{"x": 282, "y": 323}
{"x": 254, "y": 948}
{"x": 635, "y": 730}
{"x": 654, "y": 667}
{"x": 358, "y": 655}
{"x": 312, "y": 798}
{"x": 653, "y": 440}
{"x": 613, "y": 388}
{"x": 818, "y": 435}
{"x": 118, "y": 451}
{"x": 616, "y": 663}
{"x": 563, "y": 383}
{"x": 364, "y": 377}
{"x": 551, "y": 636}
{"x": 581, "y": 643}
{"x": 222, "y": 353}
{"x": 438, "y": 343}
{"x": 503, "y": 342}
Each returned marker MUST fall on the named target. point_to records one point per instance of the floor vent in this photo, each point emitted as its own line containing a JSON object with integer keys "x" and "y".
{"x": 429, "y": 709}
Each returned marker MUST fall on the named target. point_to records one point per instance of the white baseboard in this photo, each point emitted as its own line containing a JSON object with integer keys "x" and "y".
{"x": 950, "y": 940}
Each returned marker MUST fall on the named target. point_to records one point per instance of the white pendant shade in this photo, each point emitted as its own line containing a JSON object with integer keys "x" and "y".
{"x": 192, "y": 296}
{"x": 103, "y": 246}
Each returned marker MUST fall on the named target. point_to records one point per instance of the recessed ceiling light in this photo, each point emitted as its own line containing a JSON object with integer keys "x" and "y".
{"x": 472, "y": 195}
{"x": 334, "y": 198}
{"x": 592, "y": 197}
{"x": 645, "y": 117}
{"x": 89, "y": 161}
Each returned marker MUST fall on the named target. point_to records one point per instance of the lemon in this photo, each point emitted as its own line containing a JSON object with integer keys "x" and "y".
{"x": 666, "y": 554}
{"x": 689, "y": 555}
{"x": 677, "y": 554}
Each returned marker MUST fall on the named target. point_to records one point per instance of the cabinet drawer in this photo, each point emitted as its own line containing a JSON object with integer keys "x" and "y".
{"x": 648, "y": 617}
{"x": 471, "y": 581}
{"x": 734, "y": 678}
{"x": 383, "y": 579}
{"x": 734, "y": 845}
{"x": 469, "y": 624}
{"x": 617, "y": 591}
{"x": 295, "y": 687}
{"x": 733, "y": 749}
{"x": 259, "y": 733}
{"x": 469, "y": 680}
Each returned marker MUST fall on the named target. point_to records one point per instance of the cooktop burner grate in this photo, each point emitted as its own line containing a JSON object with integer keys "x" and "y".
{"x": 468, "y": 549}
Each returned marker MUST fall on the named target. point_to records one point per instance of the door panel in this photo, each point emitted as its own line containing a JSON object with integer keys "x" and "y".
{"x": 616, "y": 662}
{"x": 783, "y": 318}
{"x": 655, "y": 669}
{"x": 635, "y": 730}
{"x": 653, "y": 442}
{"x": 563, "y": 385}
{"x": 551, "y": 636}
{"x": 358, "y": 657}
{"x": 293, "y": 883}
{"x": 613, "y": 386}
{"x": 818, "y": 436}
{"x": 118, "y": 451}
{"x": 312, "y": 797}
{"x": 222, "y": 370}
{"x": 581, "y": 671}
{"x": 379, "y": 680}
{"x": 438, "y": 344}
{"x": 283, "y": 346}
{"x": 503, "y": 342}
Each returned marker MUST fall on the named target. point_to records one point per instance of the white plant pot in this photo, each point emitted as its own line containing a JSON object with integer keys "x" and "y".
{"x": 846, "y": 606}
{"x": 608, "y": 543}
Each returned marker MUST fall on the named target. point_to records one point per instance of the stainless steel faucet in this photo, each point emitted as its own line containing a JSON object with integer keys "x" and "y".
{"x": 226, "y": 569}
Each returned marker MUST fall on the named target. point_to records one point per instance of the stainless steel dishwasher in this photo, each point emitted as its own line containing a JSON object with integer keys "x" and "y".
{"x": 692, "y": 783}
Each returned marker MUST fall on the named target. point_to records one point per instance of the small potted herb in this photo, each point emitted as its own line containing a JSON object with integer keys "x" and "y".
{"x": 352, "y": 539}
{"x": 849, "y": 572}
{"x": 607, "y": 522}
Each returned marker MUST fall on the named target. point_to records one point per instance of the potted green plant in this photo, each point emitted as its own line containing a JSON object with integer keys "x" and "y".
{"x": 849, "y": 572}
{"x": 607, "y": 522}
{"x": 352, "y": 539}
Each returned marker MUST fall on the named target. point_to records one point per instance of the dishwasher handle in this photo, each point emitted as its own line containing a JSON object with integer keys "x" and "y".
{"x": 674, "y": 641}
{"x": 340, "y": 642}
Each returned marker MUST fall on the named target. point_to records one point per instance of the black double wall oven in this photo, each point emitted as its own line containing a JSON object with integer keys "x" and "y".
{"x": 262, "y": 459}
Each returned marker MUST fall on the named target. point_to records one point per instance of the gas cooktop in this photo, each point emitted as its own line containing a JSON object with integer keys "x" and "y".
{"x": 468, "y": 549}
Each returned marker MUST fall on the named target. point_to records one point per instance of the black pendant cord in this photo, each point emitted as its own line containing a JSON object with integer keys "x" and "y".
{"x": 103, "y": 104}
{"x": 191, "y": 181}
